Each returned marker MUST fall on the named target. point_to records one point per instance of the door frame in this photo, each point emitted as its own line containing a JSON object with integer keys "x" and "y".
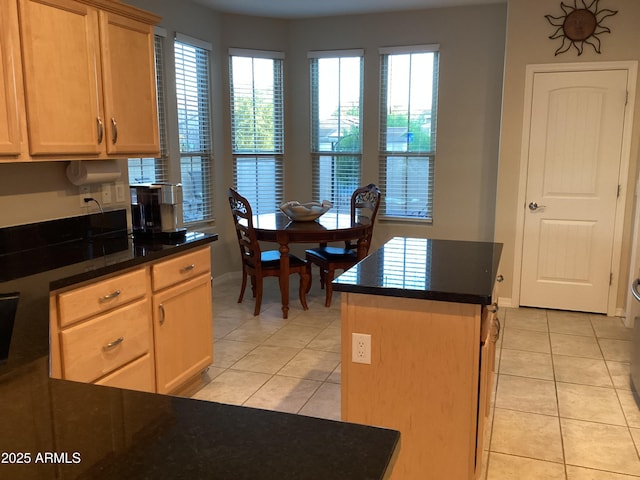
{"x": 632, "y": 70}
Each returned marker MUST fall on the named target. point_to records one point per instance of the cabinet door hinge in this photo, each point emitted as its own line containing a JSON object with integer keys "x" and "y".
{"x": 619, "y": 190}
{"x": 611, "y": 278}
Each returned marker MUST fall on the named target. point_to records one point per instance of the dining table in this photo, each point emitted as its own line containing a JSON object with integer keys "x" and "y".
{"x": 330, "y": 227}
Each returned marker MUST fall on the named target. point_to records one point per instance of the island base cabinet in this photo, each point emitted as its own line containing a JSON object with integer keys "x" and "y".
{"x": 182, "y": 319}
{"x": 424, "y": 380}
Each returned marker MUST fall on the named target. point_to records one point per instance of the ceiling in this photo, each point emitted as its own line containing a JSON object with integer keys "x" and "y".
{"x": 317, "y": 8}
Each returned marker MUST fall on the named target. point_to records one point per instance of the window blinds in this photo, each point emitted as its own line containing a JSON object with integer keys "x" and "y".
{"x": 408, "y": 110}
{"x": 154, "y": 170}
{"x": 336, "y": 118}
{"x": 194, "y": 131}
{"x": 257, "y": 127}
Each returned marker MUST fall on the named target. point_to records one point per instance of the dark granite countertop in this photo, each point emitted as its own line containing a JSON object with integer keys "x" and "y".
{"x": 67, "y": 430}
{"x": 443, "y": 270}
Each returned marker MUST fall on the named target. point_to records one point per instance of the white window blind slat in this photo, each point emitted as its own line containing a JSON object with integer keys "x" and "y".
{"x": 408, "y": 110}
{"x": 257, "y": 126}
{"x": 336, "y": 119}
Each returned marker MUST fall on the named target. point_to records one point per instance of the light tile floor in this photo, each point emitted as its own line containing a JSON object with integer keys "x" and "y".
{"x": 562, "y": 408}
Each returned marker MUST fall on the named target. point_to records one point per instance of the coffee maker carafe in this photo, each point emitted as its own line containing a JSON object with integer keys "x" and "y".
{"x": 157, "y": 210}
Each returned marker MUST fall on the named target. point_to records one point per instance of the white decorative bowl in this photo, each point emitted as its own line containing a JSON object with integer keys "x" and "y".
{"x": 305, "y": 212}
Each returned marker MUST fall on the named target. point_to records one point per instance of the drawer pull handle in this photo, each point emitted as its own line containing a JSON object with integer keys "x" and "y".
{"x": 162, "y": 314}
{"x": 188, "y": 268}
{"x": 113, "y": 344}
{"x": 109, "y": 297}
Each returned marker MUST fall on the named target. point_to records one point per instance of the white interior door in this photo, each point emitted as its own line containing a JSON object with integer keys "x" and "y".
{"x": 575, "y": 146}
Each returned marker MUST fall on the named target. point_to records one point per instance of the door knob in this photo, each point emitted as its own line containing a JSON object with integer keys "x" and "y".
{"x": 533, "y": 206}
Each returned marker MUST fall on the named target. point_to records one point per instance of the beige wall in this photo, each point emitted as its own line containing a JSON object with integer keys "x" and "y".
{"x": 472, "y": 50}
{"x": 528, "y": 43}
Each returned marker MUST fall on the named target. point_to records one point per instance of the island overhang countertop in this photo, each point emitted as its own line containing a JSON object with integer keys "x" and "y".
{"x": 430, "y": 269}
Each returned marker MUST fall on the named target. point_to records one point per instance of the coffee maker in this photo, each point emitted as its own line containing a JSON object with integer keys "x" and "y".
{"x": 157, "y": 211}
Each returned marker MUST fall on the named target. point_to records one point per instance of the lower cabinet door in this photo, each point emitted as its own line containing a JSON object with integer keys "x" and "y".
{"x": 183, "y": 332}
{"x": 137, "y": 375}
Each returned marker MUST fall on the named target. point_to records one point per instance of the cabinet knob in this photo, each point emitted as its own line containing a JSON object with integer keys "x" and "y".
{"x": 499, "y": 279}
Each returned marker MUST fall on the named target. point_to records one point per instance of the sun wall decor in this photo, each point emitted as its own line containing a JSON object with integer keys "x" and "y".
{"x": 581, "y": 24}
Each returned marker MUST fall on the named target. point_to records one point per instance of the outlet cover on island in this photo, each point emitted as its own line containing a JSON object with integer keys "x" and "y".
{"x": 361, "y": 348}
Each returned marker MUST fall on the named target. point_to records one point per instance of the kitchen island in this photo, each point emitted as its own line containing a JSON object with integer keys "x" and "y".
{"x": 427, "y": 310}
{"x": 55, "y": 428}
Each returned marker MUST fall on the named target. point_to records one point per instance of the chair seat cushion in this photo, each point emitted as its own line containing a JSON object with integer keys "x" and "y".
{"x": 332, "y": 254}
{"x": 271, "y": 259}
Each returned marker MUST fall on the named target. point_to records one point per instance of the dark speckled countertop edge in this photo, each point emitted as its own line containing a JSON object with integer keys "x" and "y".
{"x": 131, "y": 262}
{"x": 417, "y": 294}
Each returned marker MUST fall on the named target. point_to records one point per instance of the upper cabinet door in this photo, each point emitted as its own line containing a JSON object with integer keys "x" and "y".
{"x": 11, "y": 94}
{"x": 60, "y": 44}
{"x": 129, "y": 85}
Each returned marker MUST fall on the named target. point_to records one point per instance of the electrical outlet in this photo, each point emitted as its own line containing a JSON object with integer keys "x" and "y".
{"x": 361, "y": 348}
{"x": 106, "y": 194}
{"x": 85, "y": 191}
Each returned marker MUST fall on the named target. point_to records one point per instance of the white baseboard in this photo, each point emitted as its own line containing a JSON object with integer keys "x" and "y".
{"x": 505, "y": 302}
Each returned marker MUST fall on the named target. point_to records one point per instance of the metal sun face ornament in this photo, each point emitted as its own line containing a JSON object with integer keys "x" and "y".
{"x": 580, "y": 24}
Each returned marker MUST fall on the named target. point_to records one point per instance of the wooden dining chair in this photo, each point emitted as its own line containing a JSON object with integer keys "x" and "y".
{"x": 365, "y": 202}
{"x": 256, "y": 263}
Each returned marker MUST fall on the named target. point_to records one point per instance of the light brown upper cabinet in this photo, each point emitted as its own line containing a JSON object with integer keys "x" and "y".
{"x": 89, "y": 76}
{"x": 130, "y": 94}
{"x": 12, "y": 127}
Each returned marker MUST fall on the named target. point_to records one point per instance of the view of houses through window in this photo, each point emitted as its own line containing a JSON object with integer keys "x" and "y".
{"x": 336, "y": 116}
{"x": 408, "y": 93}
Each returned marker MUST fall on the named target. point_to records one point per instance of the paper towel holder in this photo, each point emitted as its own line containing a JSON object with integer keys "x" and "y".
{"x": 83, "y": 172}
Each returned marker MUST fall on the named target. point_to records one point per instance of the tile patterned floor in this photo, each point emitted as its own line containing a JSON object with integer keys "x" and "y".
{"x": 563, "y": 406}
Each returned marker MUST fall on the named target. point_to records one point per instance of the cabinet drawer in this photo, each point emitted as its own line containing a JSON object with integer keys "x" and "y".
{"x": 101, "y": 296}
{"x": 183, "y": 267}
{"x": 137, "y": 375}
{"x": 99, "y": 346}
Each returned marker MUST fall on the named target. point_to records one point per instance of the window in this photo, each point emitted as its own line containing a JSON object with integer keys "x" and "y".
{"x": 154, "y": 170}
{"x": 336, "y": 116}
{"x": 194, "y": 129}
{"x": 408, "y": 101}
{"x": 257, "y": 133}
